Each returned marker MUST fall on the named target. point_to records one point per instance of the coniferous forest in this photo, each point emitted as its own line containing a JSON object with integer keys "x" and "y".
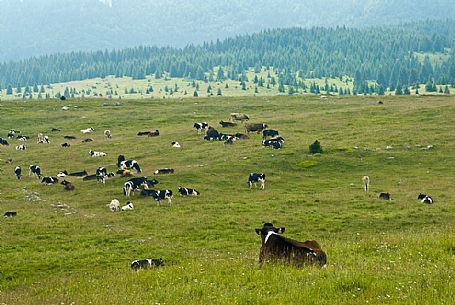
{"x": 391, "y": 57}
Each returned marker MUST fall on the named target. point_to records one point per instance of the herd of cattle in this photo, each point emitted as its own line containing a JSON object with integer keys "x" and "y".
{"x": 274, "y": 246}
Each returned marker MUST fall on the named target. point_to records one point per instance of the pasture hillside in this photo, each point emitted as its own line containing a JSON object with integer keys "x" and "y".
{"x": 68, "y": 248}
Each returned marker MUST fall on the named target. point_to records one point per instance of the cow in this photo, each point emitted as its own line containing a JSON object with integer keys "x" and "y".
{"x": 124, "y": 173}
{"x": 78, "y": 174}
{"x": 212, "y": 133}
{"x": 153, "y": 133}
{"x": 275, "y": 143}
{"x": 269, "y": 133}
{"x": 134, "y": 184}
{"x": 66, "y": 144}
{"x": 152, "y": 183}
{"x": 241, "y": 136}
{"x": 35, "y": 170}
{"x": 4, "y": 142}
{"x": 384, "y": 196}
{"x": 107, "y": 134}
{"x": 254, "y": 178}
{"x": 21, "y": 147}
{"x": 68, "y": 186}
{"x": 101, "y": 174}
{"x": 88, "y": 130}
{"x": 97, "y": 153}
{"x": 239, "y": 117}
{"x": 12, "y": 132}
{"x": 188, "y": 192}
{"x": 18, "y": 172}
{"x": 366, "y": 183}
{"x": 255, "y": 127}
{"x": 176, "y": 144}
{"x": 425, "y": 198}
{"x": 128, "y": 164}
{"x": 129, "y": 206}
{"x": 146, "y": 263}
{"x": 277, "y": 248}
{"x": 164, "y": 171}
{"x": 42, "y": 139}
{"x": 159, "y": 195}
{"x": 88, "y": 140}
{"x": 22, "y": 138}
{"x": 201, "y": 126}
{"x": 54, "y": 129}
{"x": 227, "y": 124}
{"x": 62, "y": 174}
{"x": 69, "y": 137}
{"x": 10, "y": 214}
{"x": 49, "y": 180}
{"x": 114, "y": 206}
{"x": 89, "y": 177}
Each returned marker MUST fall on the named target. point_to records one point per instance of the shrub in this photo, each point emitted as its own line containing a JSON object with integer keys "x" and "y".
{"x": 316, "y": 148}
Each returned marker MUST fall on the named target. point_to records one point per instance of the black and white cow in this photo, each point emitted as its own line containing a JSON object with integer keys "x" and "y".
{"x": 184, "y": 191}
{"x": 66, "y": 144}
{"x": 21, "y": 147}
{"x": 35, "y": 170}
{"x": 134, "y": 184}
{"x": 201, "y": 126}
{"x": 269, "y": 133}
{"x": 101, "y": 174}
{"x": 68, "y": 186}
{"x": 88, "y": 130}
{"x": 10, "y": 214}
{"x": 12, "y": 132}
{"x": 97, "y": 153}
{"x": 272, "y": 143}
{"x": 146, "y": 263}
{"x": 62, "y": 174}
{"x": 79, "y": 174}
{"x": 254, "y": 178}
{"x": 18, "y": 172}
{"x": 128, "y": 206}
{"x": 22, "y": 138}
{"x": 49, "y": 180}
{"x": 276, "y": 248}
{"x": 164, "y": 171}
{"x": 425, "y": 198}
{"x": 69, "y": 137}
{"x": 128, "y": 164}
{"x": 159, "y": 195}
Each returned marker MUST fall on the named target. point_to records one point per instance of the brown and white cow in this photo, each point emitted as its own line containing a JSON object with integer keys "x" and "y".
{"x": 276, "y": 248}
{"x": 257, "y": 127}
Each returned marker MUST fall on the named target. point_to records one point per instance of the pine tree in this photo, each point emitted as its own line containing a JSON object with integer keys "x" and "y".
{"x": 218, "y": 93}
{"x": 9, "y": 90}
{"x": 209, "y": 89}
{"x": 35, "y": 88}
{"x": 243, "y": 85}
{"x": 195, "y": 94}
{"x": 281, "y": 87}
{"x": 446, "y": 90}
{"x": 18, "y": 88}
{"x": 398, "y": 90}
{"x": 256, "y": 90}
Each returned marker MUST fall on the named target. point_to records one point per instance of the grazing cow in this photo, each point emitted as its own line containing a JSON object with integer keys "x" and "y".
{"x": 276, "y": 248}
{"x": 256, "y": 127}
{"x": 68, "y": 185}
{"x": 384, "y": 196}
{"x": 227, "y": 124}
{"x": 101, "y": 174}
{"x": 134, "y": 184}
{"x": 200, "y": 126}
{"x": 164, "y": 171}
{"x": 88, "y": 130}
{"x": 21, "y": 147}
{"x": 88, "y": 140}
{"x": 269, "y": 133}
{"x": 114, "y": 206}
{"x": 366, "y": 183}
{"x": 425, "y": 198}
{"x": 96, "y": 153}
{"x": 4, "y": 142}
{"x": 212, "y": 133}
{"x": 89, "y": 177}
{"x": 128, "y": 164}
{"x": 107, "y": 134}
{"x": 69, "y": 137}
{"x": 129, "y": 206}
{"x": 159, "y": 195}
{"x": 239, "y": 117}
{"x": 18, "y": 172}
{"x": 254, "y": 178}
{"x": 153, "y": 133}
{"x": 22, "y": 138}
{"x": 146, "y": 263}
{"x": 49, "y": 180}
{"x": 65, "y": 144}
{"x": 176, "y": 145}
{"x": 35, "y": 170}
{"x": 188, "y": 192}
{"x": 10, "y": 214}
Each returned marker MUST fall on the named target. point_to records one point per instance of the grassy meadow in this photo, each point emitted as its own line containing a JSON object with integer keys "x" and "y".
{"x": 69, "y": 248}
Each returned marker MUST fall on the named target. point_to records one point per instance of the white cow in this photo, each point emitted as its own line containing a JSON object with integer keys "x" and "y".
{"x": 114, "y": 206}
{"x": 88, "y": 130}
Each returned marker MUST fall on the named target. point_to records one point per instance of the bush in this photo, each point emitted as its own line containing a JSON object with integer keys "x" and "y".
{"x": 315, "y": 148}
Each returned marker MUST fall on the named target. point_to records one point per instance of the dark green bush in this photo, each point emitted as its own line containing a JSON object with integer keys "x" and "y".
{"x": 316, "y": 148}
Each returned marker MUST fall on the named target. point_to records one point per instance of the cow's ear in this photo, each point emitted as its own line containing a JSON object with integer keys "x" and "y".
{"x": 281, "y": 230}
{"x": 258, "y": 231}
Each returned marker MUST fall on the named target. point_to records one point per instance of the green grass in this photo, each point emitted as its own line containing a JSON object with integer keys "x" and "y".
{"x": 397, "y": 252}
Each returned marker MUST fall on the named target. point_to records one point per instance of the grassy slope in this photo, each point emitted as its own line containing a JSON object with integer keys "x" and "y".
{"x": 382, "y": 252}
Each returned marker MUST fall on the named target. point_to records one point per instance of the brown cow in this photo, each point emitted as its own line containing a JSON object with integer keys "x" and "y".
{"x": 257, "y": 127}
{"x": 239, "y": 117}
{"x": 278, "y": 248}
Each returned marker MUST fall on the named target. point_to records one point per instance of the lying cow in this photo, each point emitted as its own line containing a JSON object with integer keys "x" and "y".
{"x": 425, "y": 198}
{"x": 239, "y": 117}
{"x": 3, "y": 142}
{"x": 384, "y": 196}
{"x": 276, "y": 248}
{"x": 128, "y": 207}
{"x": 254, "y": 178}
{"x": 97, "y": 153}
{"x": 275, "y": 143}
{"x": 10, "y": 214}
{"x": 21, "y": 147}
{"x": 88, "y": 130}
{"x": 164, "y": 171}
{"x": 149, "y": 133}
{"x": 257, "y": 127}
{"x": 49, "y": 180}
{"x": 89, "y": 177}
{"x": 69, "y": 137}
{"x": 227, "y": 124}
{"x": 146, "y": 263}
{"x": 114, "y": 205}
{"x": 184, "y": 191}
{"x": 68, "y": 186}
{"x": 66, "y": 144}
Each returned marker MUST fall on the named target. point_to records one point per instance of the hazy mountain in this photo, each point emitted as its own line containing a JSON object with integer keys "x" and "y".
{"x": 36, "y": 27}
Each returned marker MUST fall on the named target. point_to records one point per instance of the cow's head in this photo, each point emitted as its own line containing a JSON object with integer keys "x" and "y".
{"x": 268, "y": 229}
